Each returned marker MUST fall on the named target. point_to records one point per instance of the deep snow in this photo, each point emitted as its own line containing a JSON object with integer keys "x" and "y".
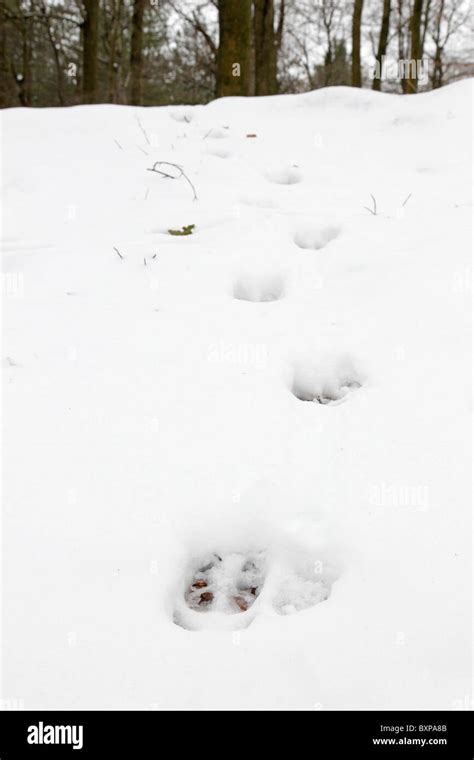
{"x": 289, "y": 383}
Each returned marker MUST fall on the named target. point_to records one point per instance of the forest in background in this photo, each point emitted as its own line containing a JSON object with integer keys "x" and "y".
{"x": 158, "y": 52}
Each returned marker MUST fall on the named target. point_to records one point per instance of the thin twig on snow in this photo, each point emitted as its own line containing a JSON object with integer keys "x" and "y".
{"x": 374, "y": 210}
{"x": 166, "y": 175}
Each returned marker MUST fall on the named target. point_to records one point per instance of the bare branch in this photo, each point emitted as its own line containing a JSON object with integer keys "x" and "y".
{"x": 374, "y": 210}
{"x": 197, "y": 23}
{"x": 166, "y": 175}
{"x": 144, "y": 132}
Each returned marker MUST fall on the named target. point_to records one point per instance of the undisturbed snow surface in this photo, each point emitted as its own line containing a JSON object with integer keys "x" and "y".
{"x": 290, "y": 382}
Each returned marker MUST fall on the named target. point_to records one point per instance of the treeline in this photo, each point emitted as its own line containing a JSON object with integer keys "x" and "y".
{"x": 153, "y": 52}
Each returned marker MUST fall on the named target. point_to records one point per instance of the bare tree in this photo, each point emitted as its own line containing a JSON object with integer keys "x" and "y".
{"x": 200, "y": 27}
{"x": 233, "y": 55}
{"x": 113, "y": 20}
{"x": 90, "y": 29}
{"x": 61, "y": 52}
{"x": 55, "y": 48}
{"x": 403, "y": 36}
{"x": 265, "y": 44}
{"x": 136, "y": 53}
{"x": 280, "y": 24}
{"x": 314, "y": 51}
{"x": 383, "y": 41}
{"x": 25, "y": 77}
{"x": 5, "y": 79}
{"x": 425, "y": 21}
{"x": 448, "y": 18}
{"x": 416, "y": 49}
{"x": 356, "y": 80}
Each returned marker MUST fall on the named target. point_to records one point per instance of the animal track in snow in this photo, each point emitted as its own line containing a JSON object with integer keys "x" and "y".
{"x": 227, "y": 584}
{"x": 182, "y": 115}
{"x": 217, "y": 133}
{"x": 221, "y": 591}
{"x": 259, "y": 287}
{"x": 284, "y": 175}
{"x": 227, "y": 591}
{"x": 327, "y": 382}
{"x": 314, "y": 238}
{"x": 298, "y": 591}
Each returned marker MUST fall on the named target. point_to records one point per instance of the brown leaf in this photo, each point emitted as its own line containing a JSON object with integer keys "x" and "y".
{"x": 241, "y": 603}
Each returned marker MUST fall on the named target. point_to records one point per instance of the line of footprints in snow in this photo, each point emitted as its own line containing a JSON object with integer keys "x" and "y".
{"x": 231, "y": 588}
{"x": 226, "y": 591}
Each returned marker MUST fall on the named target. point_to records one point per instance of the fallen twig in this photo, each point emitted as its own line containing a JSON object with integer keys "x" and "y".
{"x": 406, "y": 200}
{"x": 374, "y": 210}
{"x": 118, "y": 252}
{"x": 166, "y": 175}
{"x": 143, "y": 130}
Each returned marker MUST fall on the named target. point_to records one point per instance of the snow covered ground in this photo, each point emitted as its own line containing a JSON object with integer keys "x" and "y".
{"x": 274, "y": 408}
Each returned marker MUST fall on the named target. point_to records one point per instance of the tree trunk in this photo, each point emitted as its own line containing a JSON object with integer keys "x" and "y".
{"x": 356, "y": 24}
{"x": 383, "y": 41}
{"x": 25, "y": 79}
{"x": 265, "y": 48}
{"x": 91, "y": 39}
{"x": 6, "y": 97}
{"x": 415, "y": 29}
{"x": 437, "y": 75}
{"x": 437, "y": 78}
{"x": 402, "y": 47}
{"x": 280, "y": 25}
{"x": 425, "y": 23}
{"x": 233, "y": 55}
{"x": 136, "y": 53}
{"x": 55, "y": 50}
{"x": 115, "y": 51}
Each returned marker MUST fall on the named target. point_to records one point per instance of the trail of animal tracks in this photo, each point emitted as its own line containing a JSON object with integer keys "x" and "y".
{"x": 236, "y": 454}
